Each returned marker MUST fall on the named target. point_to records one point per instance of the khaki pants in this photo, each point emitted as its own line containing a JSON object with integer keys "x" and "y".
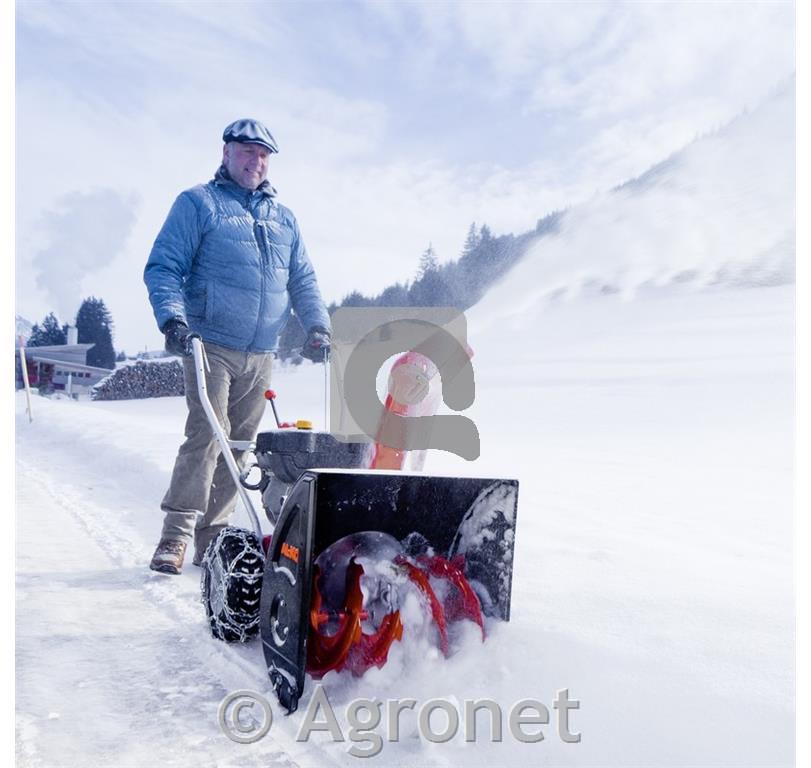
{"x": 202, "y": 495}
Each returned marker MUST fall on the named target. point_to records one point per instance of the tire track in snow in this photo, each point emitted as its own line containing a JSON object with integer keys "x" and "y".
{"x": 177, "y": 598}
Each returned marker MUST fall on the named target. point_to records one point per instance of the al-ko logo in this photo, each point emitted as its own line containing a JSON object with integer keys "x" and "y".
{"x": 246, "y": 717}
{"x": 290, "y": 552}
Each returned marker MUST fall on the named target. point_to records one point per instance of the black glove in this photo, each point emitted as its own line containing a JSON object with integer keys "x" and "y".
{"x": 178, "y": 338}
{"x": 316, "y": 347}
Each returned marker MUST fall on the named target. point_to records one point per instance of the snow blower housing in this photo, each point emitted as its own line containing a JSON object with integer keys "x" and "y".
{"x": 325, "y": 590}
{"x": 465, "y": 521}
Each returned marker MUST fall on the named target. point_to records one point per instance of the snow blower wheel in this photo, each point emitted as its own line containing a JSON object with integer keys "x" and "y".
{"x": 231, "y": 584}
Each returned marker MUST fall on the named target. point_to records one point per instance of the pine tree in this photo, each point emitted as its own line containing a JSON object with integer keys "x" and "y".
{"x": 471, "y": 241}
{"x": 432, "y": 290}
{"x": 428, "y": 262}
{"x": 357, "y": 299}
{"x": 394, "y": 296}
{"x": 95, "y": 326}
{"x": 48, "y": 333}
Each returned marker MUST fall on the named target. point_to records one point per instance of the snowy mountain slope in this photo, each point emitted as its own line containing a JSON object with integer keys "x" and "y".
{"x": 719, "y": 212}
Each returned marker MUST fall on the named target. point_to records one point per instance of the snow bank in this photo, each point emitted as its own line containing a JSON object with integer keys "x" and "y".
{"x": 720, "y": 212}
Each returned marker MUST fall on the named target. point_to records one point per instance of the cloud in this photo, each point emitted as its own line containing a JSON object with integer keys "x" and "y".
{"x": 83, "y": 233}
{"x": 522, "y": 38}
{"x": 399, "y": 124}
{"x": 588, "y": 66}
{"x": 651, "y": 55}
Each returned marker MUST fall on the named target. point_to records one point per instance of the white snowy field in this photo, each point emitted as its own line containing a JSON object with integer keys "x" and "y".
{"x": 653, "y": 573}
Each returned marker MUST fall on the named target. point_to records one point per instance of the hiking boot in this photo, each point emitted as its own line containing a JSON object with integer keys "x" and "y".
{"x": 168, "y": 557}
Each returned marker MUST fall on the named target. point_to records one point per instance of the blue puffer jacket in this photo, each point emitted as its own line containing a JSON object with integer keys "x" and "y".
{"x": 229, "y": 262}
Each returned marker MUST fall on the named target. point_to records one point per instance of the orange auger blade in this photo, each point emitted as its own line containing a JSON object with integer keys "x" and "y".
{"x": 349, "y": 647}
{"x": 462, "y": 603}
{"x": 327, "y": 653}
{"x": 373, "y": 650}
{"x": 421, "y": 580}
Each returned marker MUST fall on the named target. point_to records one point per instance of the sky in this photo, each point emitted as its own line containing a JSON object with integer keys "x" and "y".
{"x": 399, "y": 124}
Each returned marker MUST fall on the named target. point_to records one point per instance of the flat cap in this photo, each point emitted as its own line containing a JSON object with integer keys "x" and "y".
{"x": 247, "y": 131}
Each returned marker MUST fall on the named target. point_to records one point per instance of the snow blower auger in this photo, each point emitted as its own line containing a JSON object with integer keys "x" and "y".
{"x": 351, "y": 547}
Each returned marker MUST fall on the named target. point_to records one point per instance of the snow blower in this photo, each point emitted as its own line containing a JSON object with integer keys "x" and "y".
{"x": 350, "y": 544}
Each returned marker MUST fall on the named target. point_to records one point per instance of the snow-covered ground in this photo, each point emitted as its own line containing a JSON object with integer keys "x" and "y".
{"x": 653, "y": 443}
{"x": 651, "y": 430}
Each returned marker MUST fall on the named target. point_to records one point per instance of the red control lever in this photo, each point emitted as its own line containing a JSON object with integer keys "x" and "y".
{"x": 271, "y": 395}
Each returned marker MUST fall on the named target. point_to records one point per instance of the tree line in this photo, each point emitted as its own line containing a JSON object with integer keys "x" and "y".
{"x": 457, "y": 283}
{"x": 94, "y": 325}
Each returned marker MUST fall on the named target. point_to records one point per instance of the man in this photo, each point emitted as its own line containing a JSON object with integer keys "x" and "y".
{"x": 228, "y": 265}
